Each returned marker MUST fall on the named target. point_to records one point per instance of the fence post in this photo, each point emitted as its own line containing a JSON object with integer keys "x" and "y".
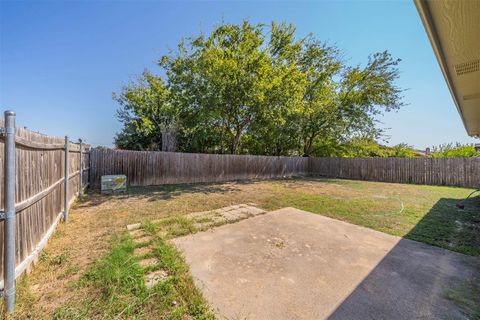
{"x": 10, "y": 218}
{"x": 80, "y": 181}
{"x": 65, "y": 193}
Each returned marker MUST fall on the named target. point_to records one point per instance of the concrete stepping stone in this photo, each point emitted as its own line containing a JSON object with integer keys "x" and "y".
{"x": 134, "y": 226}
{"x": 137, "y": 233}
{"x": 142, "y": 251}
{"x": 148, "y": 262}
{"x": 198, "y": 214}
{"x": 232, "y": 215}
{"x": 245, "y": 212}
{"x": 227, "y": 209}
{"x": 142, "y": 239}
{"x": 225, "y": 215}
{"x": 155, "y": 277}
{"x": 201, "y": 225}
{"x": 254, "y": 210}
{"x": 219, "y": 221}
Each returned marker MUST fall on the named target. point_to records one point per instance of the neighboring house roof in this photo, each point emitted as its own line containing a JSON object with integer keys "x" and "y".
{"x": 453, "y": 28}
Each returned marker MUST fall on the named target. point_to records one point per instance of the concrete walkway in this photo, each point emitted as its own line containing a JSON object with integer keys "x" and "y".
{"x": 291, "y": 264}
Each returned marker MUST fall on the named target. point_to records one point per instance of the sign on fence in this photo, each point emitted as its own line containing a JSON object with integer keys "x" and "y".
{"x": 42, "y": 175}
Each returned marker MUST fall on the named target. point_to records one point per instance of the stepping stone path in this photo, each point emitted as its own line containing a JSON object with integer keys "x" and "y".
{"x": 202, "y": 220}
{"x": 206, "y": 219}
{"x": 141, "y": 238}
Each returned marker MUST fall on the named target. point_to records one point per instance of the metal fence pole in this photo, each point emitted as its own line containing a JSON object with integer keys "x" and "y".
{"x": 65, "y": 193}
{"x": 9, "y": 189}
{"x": 80, "y": 181}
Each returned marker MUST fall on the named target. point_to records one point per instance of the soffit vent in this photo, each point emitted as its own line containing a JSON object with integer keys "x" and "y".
{"x": 467, "y": 67}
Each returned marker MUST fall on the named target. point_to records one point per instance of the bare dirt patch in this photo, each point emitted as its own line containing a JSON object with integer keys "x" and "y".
{"x": 93, "y": 222}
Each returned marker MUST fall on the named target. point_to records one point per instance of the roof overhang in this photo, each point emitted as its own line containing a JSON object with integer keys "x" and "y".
{"x": 453, "y": 28}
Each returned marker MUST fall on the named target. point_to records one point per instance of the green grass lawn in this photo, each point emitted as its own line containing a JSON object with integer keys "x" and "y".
{"x": 88, "y": 270}
{"x": 118, "y": 281}
{"x": 423, "y": 213}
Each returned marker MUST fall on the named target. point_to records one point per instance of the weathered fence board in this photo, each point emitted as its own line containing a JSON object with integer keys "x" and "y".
{"x": 461, "y": 172}
{"x": 40, "y": 176}
{"x": 144, "y": 168}
{"x": 39, "y": 201}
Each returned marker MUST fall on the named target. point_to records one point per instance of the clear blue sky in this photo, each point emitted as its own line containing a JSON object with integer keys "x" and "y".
{"x": 61, "y": 61}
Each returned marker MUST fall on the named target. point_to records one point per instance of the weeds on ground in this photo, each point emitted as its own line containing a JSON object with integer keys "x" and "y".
{"x": 423, "y": 213}
{"x": 117, "y": 291}
{"x": 171, "y": 227}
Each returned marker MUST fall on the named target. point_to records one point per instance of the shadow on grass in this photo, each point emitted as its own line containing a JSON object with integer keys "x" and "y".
{"x": 170, "y": 191}
{"x": 412, "y": 281}
{"x": 418, "y": 281}
{"x": 451, "y": 228}
{"x": 164, "y": 192}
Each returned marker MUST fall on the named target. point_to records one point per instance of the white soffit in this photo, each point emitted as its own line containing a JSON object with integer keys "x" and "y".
{"x": 453, "y": 27}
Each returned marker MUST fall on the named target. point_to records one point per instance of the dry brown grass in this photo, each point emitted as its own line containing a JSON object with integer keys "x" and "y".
{"x": 87, "y": 237}
{"x": 93, "y": 222}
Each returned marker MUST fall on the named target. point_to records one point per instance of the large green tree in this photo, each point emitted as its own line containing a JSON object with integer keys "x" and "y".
{"x": 257, "y": 89}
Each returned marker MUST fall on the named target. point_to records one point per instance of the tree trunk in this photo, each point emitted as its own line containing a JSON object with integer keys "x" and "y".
{"x": 236, "y": 141}
{"x": 307, "y": 145}
{"x": 169, "y": 140}
{"x": 239, "y": 133}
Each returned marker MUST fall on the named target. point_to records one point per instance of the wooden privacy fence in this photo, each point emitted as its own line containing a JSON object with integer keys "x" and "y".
{"x": 43, "y": 188}
{"x": 39, "y": 190}
{"x": 49, "y": 172}
{"x": 144, "y": 168}
{"x": 461, "y": 172}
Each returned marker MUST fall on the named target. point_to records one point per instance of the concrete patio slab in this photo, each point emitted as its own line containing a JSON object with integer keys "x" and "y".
{"x": 291, "y": 264}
